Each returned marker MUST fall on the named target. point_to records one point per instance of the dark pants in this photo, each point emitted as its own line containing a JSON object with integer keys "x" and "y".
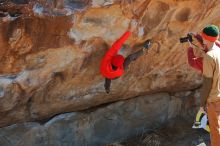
{"x": 128, "y": 60}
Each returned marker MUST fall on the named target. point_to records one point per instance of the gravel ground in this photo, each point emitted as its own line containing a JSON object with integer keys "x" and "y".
{"x": 176, "y": 133}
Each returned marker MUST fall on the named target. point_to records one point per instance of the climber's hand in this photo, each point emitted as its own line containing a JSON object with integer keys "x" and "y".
{"x": 132, "y": 25}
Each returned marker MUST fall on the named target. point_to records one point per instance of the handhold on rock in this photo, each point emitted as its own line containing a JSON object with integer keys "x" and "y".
{"x": 58, "y": 74}
{"x": 17, "y": 14}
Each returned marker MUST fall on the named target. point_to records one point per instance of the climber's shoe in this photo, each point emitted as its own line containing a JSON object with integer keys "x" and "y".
{"x": 107, "y": 91}
{"x": 147, "y": 45}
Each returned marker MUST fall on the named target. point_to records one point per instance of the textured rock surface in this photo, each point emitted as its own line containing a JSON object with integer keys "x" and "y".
{"x": 97, "y": 127}
{"x": 50, "y": 52}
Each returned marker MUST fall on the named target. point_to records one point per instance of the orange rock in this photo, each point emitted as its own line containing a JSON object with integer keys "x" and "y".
{"x": 54, "y": 56}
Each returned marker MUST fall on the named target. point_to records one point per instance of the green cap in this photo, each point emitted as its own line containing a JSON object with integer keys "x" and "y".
{"x": 211, "y": 30}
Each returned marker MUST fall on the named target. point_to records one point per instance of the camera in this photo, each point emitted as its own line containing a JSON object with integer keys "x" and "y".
{"x": 186, "y": 39}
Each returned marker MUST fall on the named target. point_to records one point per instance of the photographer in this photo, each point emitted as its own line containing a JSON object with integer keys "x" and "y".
{"x": 209, "y": 63}
{"x": 196, "y": 50}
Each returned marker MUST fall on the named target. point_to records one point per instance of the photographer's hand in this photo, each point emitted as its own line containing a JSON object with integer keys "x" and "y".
{"x": 203, "y": 109}
{"x": 196, "y": 43}
{"x": 190, "y": 44}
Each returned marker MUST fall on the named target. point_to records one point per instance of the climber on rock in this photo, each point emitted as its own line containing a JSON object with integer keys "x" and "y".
{"x": 113, "y": 64}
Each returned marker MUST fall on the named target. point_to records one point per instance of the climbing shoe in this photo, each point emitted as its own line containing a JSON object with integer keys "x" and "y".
{"x": 147, "y": 45}
{"x": 107, "y": 91}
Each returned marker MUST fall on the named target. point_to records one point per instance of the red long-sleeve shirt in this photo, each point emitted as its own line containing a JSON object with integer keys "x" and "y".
{"x": 195, "y": 62}
{"x": 106, "y": 66}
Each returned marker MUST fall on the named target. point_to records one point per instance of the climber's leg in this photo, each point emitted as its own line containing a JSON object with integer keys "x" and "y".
{"x": 107, "y": 85}
{"x": 134, "y": 56}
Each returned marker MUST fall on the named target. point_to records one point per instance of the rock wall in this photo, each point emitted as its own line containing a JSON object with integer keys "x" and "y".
{"x": 50, "y": 52}
{"x": 96, "y": 127}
